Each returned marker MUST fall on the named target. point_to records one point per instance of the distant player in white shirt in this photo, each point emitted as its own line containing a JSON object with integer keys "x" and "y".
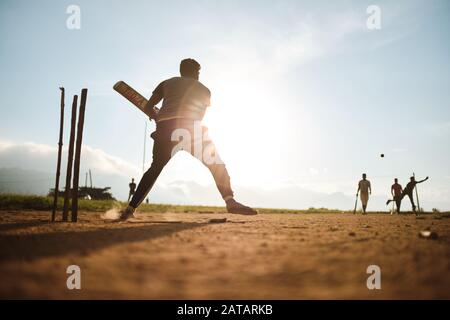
{"x": 364, "y": 190}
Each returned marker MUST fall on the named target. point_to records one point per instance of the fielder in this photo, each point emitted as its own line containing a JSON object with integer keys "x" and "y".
{"x": 396, "y": 192}
{"x": 408, "y": 191}
{"x": 364, "y": 189}
{"x": 132, "y": 187}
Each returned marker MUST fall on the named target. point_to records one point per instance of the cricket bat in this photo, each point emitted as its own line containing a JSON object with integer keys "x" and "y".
{"x": 134, "y": 97}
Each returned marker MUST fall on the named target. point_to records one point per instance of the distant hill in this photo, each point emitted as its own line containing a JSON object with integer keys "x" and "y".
{"x": 17, "y": 180}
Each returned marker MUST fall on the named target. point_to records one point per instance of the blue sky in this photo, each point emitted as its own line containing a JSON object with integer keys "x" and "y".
{"x": 302, "y": 92}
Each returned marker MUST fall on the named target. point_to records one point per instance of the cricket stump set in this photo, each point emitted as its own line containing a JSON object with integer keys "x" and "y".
{"x": 74, "y": 149}
{"x": 73, "y": 158}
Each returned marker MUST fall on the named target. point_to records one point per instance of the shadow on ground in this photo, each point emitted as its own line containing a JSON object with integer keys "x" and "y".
{"x": 22, "y": 225}
{"x": 29, "y": 247}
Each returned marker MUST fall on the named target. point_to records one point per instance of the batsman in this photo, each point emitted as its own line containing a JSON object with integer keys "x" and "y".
{"x": 184, "y": 103}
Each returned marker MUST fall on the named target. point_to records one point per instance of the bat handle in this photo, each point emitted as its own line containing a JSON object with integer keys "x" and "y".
{"x": 154, "y": 115}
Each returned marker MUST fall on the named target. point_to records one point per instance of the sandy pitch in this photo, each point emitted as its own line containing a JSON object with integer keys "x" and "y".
{"x": 182, "y": 256}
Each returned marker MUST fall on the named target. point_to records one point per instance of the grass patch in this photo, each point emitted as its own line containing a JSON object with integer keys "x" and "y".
{"x": 33, "y": 202}
{"x": 44, "y": 203}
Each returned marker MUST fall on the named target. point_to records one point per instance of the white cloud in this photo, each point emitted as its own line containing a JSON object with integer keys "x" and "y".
{"x": 277, "y": 50}
{"x": 30, "y": 155}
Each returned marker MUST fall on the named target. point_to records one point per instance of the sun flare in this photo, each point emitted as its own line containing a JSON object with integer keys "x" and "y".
{"x": 243, "y": 122}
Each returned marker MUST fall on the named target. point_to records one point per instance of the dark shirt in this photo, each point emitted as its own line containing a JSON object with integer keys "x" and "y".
{"x": 183, "y": 97}
{"x": 410, "y": 187}
{"x": 132, "y": 186}
{"x": 397, "y": 189}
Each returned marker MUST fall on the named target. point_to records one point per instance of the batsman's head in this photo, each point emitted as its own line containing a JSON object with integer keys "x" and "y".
{"x": 364, "y": 176}
{"x": 190, "y": 68}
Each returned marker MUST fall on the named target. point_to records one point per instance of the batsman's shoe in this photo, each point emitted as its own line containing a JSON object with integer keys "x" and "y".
{"x": 387, "y": 202}
{"x": 126, "y": 213}
{"x": 238, "y": 208}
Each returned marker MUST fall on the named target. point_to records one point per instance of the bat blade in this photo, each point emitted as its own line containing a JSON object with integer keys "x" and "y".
{"x": 132, "y": 95}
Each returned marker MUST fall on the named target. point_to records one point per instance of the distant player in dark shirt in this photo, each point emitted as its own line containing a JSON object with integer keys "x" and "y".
{"x": 396, "y": 191}
{"x": 132, "y": 186}
{"x": 408, "y": 191}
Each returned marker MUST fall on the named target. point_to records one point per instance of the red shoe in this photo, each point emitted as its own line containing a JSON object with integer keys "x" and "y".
{"x": 238, "y": 208}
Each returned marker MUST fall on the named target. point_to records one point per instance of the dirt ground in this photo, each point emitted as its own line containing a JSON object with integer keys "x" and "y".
{"x": 184, "y": 256}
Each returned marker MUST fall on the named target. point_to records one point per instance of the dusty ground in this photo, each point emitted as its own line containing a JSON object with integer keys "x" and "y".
{"x": 277, "y": 256}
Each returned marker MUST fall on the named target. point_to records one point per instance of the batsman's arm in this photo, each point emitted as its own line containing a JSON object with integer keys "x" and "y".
{"x": 150, "y": 107}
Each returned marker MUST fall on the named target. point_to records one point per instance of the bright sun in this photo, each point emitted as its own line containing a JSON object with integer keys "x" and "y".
{"x": 245, "y": 128}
